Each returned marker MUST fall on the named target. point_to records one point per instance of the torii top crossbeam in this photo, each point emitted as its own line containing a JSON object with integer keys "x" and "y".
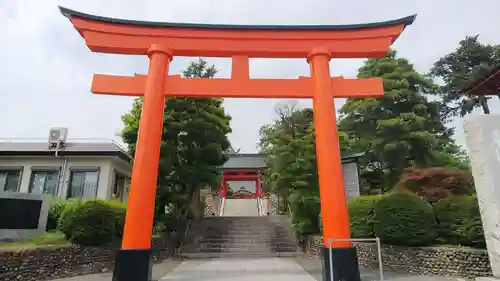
{"x": 240, "y": 42}
{"x": 118, "y": 36}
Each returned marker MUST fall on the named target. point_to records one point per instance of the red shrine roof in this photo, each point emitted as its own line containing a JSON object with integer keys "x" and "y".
{"x": 487, "y": 85}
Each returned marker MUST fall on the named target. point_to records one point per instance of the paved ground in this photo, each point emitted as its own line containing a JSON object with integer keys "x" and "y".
{"x": 250, "y": 269}
{"x": 159, "y": 271}
{"x": 240, "y": 269}
{"x": 240, "y": 208}
{"x": 314, "y": 268}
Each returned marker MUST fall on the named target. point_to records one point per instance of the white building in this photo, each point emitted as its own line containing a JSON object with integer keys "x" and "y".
{"x": 81, "y": 169}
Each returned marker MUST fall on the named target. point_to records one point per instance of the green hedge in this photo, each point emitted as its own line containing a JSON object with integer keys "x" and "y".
{"x": 119, "y": 209}
{"x": 459, "y": 221}
{"x": 361, "y": 215}
{"x": 90, "y": 223}
{"x": 56, "y": 209}
{"x": 405, "y": 219}
{"x": 63, "y": 224}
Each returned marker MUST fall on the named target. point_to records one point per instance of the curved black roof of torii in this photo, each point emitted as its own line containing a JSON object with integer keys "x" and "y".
{"x": 402, "y": 21}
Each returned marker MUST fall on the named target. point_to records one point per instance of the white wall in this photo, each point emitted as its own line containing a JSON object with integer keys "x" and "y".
{"x": 106, "y": 166}
{"x": 249, "y": 186}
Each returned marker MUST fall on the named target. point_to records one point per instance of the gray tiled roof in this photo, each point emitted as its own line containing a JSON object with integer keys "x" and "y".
{"x": 81, "y": 147}
{"x": 257, "y": 161}
{"x": 245, "y": 161}
{"x": 89, "y": 147}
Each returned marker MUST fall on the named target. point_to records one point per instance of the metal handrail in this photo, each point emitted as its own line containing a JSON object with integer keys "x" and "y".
{"x": 223, "y": 202}
{"x": 260, "y": 207}
{"x": 379, "y": 252}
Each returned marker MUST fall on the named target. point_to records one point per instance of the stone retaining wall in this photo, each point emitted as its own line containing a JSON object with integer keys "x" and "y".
{"x": 61, "y": 262}
{"x": 443, "y": 261}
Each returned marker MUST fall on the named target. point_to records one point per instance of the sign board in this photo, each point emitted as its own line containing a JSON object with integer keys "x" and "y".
{"x": 351, "y": 179}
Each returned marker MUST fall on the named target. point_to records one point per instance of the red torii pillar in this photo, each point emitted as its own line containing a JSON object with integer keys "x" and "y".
{"x": 162, "y": 41}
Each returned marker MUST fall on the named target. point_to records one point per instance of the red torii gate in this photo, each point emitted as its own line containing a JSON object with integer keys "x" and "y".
{"x": 241, "y": 175}
{"x": 162, "y": 41}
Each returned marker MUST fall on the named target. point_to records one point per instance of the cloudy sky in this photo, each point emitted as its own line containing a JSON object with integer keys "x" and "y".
{"x": 46, "y": 70}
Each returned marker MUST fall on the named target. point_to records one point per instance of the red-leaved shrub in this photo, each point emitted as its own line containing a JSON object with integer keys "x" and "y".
{"x": 433, "y": 184}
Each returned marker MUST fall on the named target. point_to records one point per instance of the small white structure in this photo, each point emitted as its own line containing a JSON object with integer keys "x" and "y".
{"x": 483, "y": 142}
{"x": 79, "y": 168}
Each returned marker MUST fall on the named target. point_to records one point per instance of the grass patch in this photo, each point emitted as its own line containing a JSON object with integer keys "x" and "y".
{"x": 47, "y": 239}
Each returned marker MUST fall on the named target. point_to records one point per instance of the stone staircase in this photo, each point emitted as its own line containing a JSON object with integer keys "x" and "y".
{"x": 213, "y": 237}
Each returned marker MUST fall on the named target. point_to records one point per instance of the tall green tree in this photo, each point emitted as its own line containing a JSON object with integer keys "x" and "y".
{"x": 401, "y": 129}
{"x": 288, "y": 144}
{"x": 193, "y": 141}
{"x": 290, "y": 149}
{"x": 470, "y": 61}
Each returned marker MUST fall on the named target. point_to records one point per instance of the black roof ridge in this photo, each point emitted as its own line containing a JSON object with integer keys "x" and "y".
{"x": 408, "y": 20}
{"x": 245, "y": 154}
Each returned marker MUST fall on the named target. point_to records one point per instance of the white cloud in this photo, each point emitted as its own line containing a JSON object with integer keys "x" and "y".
{"x": 46, "y": 70}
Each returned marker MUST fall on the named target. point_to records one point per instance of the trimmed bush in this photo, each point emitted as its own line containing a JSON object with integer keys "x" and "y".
{"x": 57, "y": 207}
{"x": 92, "y": 223}
{"x": 459, "y": 221}
{"x": 361, "y": 215}
{"x": 120, "y": 210}
{"x": 64, "y": 220}
{"x": 405, "y": 219}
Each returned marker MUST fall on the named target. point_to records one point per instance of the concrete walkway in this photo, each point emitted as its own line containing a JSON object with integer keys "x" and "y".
{"x": 159, "y": 270}
{"x": 314, "y": 268}
{"x": 251, "y": 269}
{"x": 239, "y": 269}
{"x": 240, "y": 208}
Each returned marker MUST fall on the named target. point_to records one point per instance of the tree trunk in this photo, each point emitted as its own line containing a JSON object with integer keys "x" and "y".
{"x": 196, "y": 205}
{"x": 484, "y": 105}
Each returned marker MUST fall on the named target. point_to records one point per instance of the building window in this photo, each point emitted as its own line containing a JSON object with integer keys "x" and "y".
{"x": 9, "y": 180}
{"x": 44, "y": 182}
{"x": 120, "y": 187}
{"x": 83, "y": 184}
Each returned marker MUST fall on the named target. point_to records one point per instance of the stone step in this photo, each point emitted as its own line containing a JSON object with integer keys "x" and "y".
{"x": 241, "y": 250}
{"x": 249, "y": 227}
{"x": 244, "y": 219}
{"x": 243, "y": 232}
{"x": 240, "y": 255}
{"x": 205, "y": 239}
{"x": 247, "y": 244}
{"x": 215, "y": 237}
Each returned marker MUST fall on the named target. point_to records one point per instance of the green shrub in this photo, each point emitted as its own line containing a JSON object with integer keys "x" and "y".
{"x": 91, "y": 223}
{"x": 57, "y": 207}
{"x": 320, "y": 223}
{"x": 361, "y": 215}
{"x": 459, "y": 221}
{"x": 404, "y": 219}
{"x": 305, "y": 207}
{"x": 120, "y": 210}
{"x": 65, "y": 217}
